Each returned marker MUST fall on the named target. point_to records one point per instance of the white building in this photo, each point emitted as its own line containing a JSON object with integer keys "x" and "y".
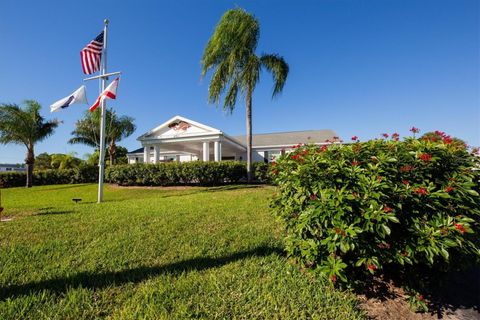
{"x": 12, "y": 168}
{"x": 181, "y": 139}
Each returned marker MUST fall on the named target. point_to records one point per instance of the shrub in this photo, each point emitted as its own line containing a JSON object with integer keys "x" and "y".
{"x": 261, "y": 172}
{"x": 82, "y": 174}
{"x": 365, "y": 206}
{"x": 173, "y": 173}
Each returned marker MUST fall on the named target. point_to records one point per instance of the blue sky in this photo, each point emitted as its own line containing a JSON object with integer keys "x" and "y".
{"x": 357, "y": 67}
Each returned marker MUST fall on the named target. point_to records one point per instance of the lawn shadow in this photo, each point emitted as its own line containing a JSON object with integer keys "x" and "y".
{"x": 53, "y": 212}
{"x": 63, "y": 187}
{"x": 135, "y": 275}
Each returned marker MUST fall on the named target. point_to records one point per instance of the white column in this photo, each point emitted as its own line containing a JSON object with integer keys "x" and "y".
{"x": 156, "y": 153}
{"x": 217, "y": 150}
{"x": 146, "y": 154}
{"x": 206, "y": 151}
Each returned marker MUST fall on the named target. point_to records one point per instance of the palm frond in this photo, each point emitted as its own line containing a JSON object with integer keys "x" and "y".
{"x": 279, "y": 69}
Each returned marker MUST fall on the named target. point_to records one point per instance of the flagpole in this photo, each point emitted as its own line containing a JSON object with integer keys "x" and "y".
{"x": 103, "y": 80}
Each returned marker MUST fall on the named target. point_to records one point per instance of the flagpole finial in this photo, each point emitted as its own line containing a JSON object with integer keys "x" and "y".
{"x": 105, "y": 21}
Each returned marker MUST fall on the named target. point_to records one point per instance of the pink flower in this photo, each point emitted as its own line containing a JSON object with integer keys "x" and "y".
{"x": 385, "y": 135}
{"x": 415, "y": 130}
{"x": 395, "y": 136}
{"x": 354, "y": 138}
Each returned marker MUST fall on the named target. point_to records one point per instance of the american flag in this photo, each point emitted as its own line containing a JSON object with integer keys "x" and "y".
{"x": 91, "y": 55}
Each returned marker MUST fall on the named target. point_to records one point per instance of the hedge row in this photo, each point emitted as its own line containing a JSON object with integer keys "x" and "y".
{"x": 83, "y": 174}
{"x": 186, "y": 173}
{"x": 162, "y": 174}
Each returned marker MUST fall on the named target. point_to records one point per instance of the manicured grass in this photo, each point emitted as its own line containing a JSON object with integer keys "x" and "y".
{"x": 153, "y": 254}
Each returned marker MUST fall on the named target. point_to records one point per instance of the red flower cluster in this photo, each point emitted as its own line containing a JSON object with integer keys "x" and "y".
{"x": 372, "y": 267}
{"x": 460, "y": 227}
{"x": 405, "y": 182}
{"x": 426, "y": 157}
{"x": 385, "y": 135}
{"x": 297, "y": 157}
{"x": 446, "y": 138}
{"x": 354, "y": 138}
{"x": 355, "y": 163}
{"x": 275, "y": 172}
{"x": 313, "y": 196}
{"x": 420, "y": 191}
{"x": 297, "y": 146}
{"x": 449, "y": 189}
{"x": 395, "y": 136}
{"x": 421, "y": 298}
{"x": 415, "y": 130}
{"x": 333, "y": 278}
{"x": 387, "y": 209}
{"x": 406, "y": 168}
{"x": 340, "y": 231}
{"x": 323, "y": 148}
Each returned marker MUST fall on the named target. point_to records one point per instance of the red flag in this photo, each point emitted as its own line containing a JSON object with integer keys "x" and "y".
{"x": 110, "y": 92}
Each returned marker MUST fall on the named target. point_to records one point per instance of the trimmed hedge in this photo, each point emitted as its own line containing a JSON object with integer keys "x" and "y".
{"x": 82, "y": 174}
{"x": 173, "y": 173}
{"x": 410, "y": 205}
{"x": 162, "y": 174}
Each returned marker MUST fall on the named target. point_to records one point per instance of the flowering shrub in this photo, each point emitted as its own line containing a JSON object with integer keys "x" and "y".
{"x": 385, "y": 202}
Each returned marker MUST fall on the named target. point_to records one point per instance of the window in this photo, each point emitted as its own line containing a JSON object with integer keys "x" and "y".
{"x": 272, "y": 155}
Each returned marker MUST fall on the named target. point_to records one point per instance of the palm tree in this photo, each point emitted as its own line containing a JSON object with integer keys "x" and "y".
{"x": 231, "y": 53}
{"x": 87, "y": 131}
{"x": 25, "y": 126}
{"x": 65, "y": 161}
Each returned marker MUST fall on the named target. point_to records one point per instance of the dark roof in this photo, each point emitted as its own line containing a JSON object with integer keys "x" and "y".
{"x": 288, "y": 138}
{"x": 139, "y": 150}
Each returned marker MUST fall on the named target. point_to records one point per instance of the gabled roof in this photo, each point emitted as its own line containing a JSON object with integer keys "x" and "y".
{"x": 289, "y": 138}
{"x": 175, "y": 119}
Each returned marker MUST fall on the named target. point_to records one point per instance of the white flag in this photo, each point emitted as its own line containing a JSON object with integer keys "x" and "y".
{"x": 79, "y": 96}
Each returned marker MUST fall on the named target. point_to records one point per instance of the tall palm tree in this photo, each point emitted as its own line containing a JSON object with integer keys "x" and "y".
{"x": 25, "y": 126}
{"x": 231, "y": 53}
{"x": 117, "y": 128}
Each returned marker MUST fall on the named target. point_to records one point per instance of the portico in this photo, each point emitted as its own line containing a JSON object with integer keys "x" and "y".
{"x": 180, "y": 139}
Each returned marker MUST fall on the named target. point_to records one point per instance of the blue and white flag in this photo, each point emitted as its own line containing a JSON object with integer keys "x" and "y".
{"x": 79, "y": 96}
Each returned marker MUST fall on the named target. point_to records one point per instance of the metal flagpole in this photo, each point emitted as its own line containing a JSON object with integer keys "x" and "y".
{"x": 103, "y": 80}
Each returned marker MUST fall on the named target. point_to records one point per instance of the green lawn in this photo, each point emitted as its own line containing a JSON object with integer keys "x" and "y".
{"x": 153, "y": 254}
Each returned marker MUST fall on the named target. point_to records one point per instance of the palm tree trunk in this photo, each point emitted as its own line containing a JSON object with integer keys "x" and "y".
{"x": 112, "y": 150}
{"x": 30, "y": 161}
{"x": 249, "y": 135}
